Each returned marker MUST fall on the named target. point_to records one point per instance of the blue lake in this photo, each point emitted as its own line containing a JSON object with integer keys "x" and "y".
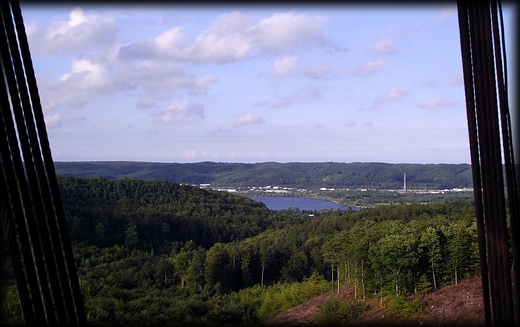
{"x": 286, "y": 202}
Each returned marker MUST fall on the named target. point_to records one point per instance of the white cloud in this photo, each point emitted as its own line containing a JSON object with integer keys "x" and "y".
{"x": 86, "y": 74}
{"x": 231, "y": 37}
{"x": 189, "y": 154}
{"x": 316, "y": 72}
{"x": 167, "y": 40}
{"x": 285, "y": 101}
{"x": 385, "y": 45}
{"x": 206, "y": 80}
{"x": 285, "y": 65}
{"x": 446, "y": 12}
{"x": 200, "y": 85}
{"x": 147, "y": 101}
{"x": 457, "y": 79}
{"x": 52, "y": 121}
{"x": 247, "y": 119}
{"x": 30, "y": 29}
{"x": 97, "y": 73}
{"x": 306, "y": 92}
{"x": 366, "y": 68}
{"x": 393, "y": 94}
{"x": 225, "y": 40}
{"x": 73, "y": 118}
{"x": 153, "y": 67}
{"x": 85, "y": 79}
{"x": 312, "y": 92}
{"x": 288, "y": 65}
{"x": 183, "y": 112}
{"x": 220, "y": 131}
{"x": 162, "y": 47}
{"x": 435, "y": 103}
{"x": 283, "y": 31}
{"x": 79, "y": 32}
{"x": 260, "y": 154}
{"x": 89, "y": 76}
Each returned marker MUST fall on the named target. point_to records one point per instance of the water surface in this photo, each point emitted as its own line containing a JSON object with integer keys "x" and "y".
{"x": 286, "y": 202}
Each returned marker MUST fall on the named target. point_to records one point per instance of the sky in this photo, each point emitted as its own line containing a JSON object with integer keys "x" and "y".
{"x": 245, "y": 83}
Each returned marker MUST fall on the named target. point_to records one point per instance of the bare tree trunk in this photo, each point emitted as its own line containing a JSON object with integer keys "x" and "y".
{"x": 355, "y": 284}
{"x": 262, "y": 280}
{"x": 381, "y": 292}
{"x": 338, "y": 278}
{"x": 363, "y": 278}
{"x": 332, "y": 275}
{"x": 348, "y": 271}
{"x": 456, "y": 277}
{"x": 433, "y": 274}
{"x": 375, "y": 284}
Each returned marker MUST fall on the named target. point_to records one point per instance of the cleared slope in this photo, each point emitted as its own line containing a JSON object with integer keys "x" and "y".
{"x": 453, "y": 305}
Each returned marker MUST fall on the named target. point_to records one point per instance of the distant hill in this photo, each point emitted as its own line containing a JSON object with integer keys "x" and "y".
{"x": 296, "y": 174}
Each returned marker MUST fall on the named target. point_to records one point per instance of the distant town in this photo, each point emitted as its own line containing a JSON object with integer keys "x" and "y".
{"x": 287, "y": 190}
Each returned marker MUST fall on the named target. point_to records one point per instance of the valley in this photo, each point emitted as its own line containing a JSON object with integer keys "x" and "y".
{"x": 158, "y": 252}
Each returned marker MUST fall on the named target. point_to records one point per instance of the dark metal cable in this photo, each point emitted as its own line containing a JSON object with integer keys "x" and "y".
{"x": 467, "y": 61}
{"x": 495, "y": 81}
{"x": 8, "y": 223}
{"x": 76, "y": 306}
{"x": 33, "y": 194}
{"x": 483, "y": 79}
{"x": 493, "y": 173}
{"x": 30, "y": 156}
{"x": 507, "y": 139}
{"x": 484, "y": 174}
{"x": 21, "y": 198}
{"x": 37, "y": 181}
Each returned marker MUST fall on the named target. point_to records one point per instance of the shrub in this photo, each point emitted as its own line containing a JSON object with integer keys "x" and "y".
{"x": 406, "y": 306}
{"x": 336, "y": 311}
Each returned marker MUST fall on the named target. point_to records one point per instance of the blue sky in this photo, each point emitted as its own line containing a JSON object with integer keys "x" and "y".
{"x": 231, "y": 83}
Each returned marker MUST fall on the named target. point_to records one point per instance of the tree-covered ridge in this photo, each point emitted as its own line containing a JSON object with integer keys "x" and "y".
{"x": 97, "y": 210}
{"x": 296, "y": 174}
{"x": 156, "y": 252}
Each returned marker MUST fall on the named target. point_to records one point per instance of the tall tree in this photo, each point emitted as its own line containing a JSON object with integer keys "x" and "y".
{"x": 398, "y": 254}
{"x": 431, "y": 245}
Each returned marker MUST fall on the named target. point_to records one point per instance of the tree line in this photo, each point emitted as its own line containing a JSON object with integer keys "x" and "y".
{"x": 309, "y": 175}
{"x": 158, "y": 252}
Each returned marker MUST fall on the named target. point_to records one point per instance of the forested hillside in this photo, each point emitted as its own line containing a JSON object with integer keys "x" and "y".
{"x": 156, "y": 252}
{"x": 296, "y": 174}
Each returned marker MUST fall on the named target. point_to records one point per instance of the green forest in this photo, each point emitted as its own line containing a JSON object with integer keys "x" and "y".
{"x": 309, "y": 175}
{"x": 162, "y": 253}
